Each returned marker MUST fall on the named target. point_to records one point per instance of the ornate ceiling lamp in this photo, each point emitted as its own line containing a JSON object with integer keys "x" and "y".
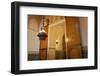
{"x": 42, "y": 34}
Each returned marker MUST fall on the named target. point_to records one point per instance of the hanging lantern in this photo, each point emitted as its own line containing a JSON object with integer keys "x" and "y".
{"x": 42, "y": 34}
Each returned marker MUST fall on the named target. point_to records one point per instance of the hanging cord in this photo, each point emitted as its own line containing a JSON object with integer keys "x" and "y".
{"x": 42, "y": 23}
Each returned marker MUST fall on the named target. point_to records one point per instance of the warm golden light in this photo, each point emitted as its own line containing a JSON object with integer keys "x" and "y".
{"x": 67, "y": 39}
{"x": 42, "y": 30}
{"x": 56, "y": 41}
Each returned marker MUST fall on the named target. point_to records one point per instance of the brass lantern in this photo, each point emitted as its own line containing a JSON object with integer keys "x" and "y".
{"x": 42, "y": 34}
